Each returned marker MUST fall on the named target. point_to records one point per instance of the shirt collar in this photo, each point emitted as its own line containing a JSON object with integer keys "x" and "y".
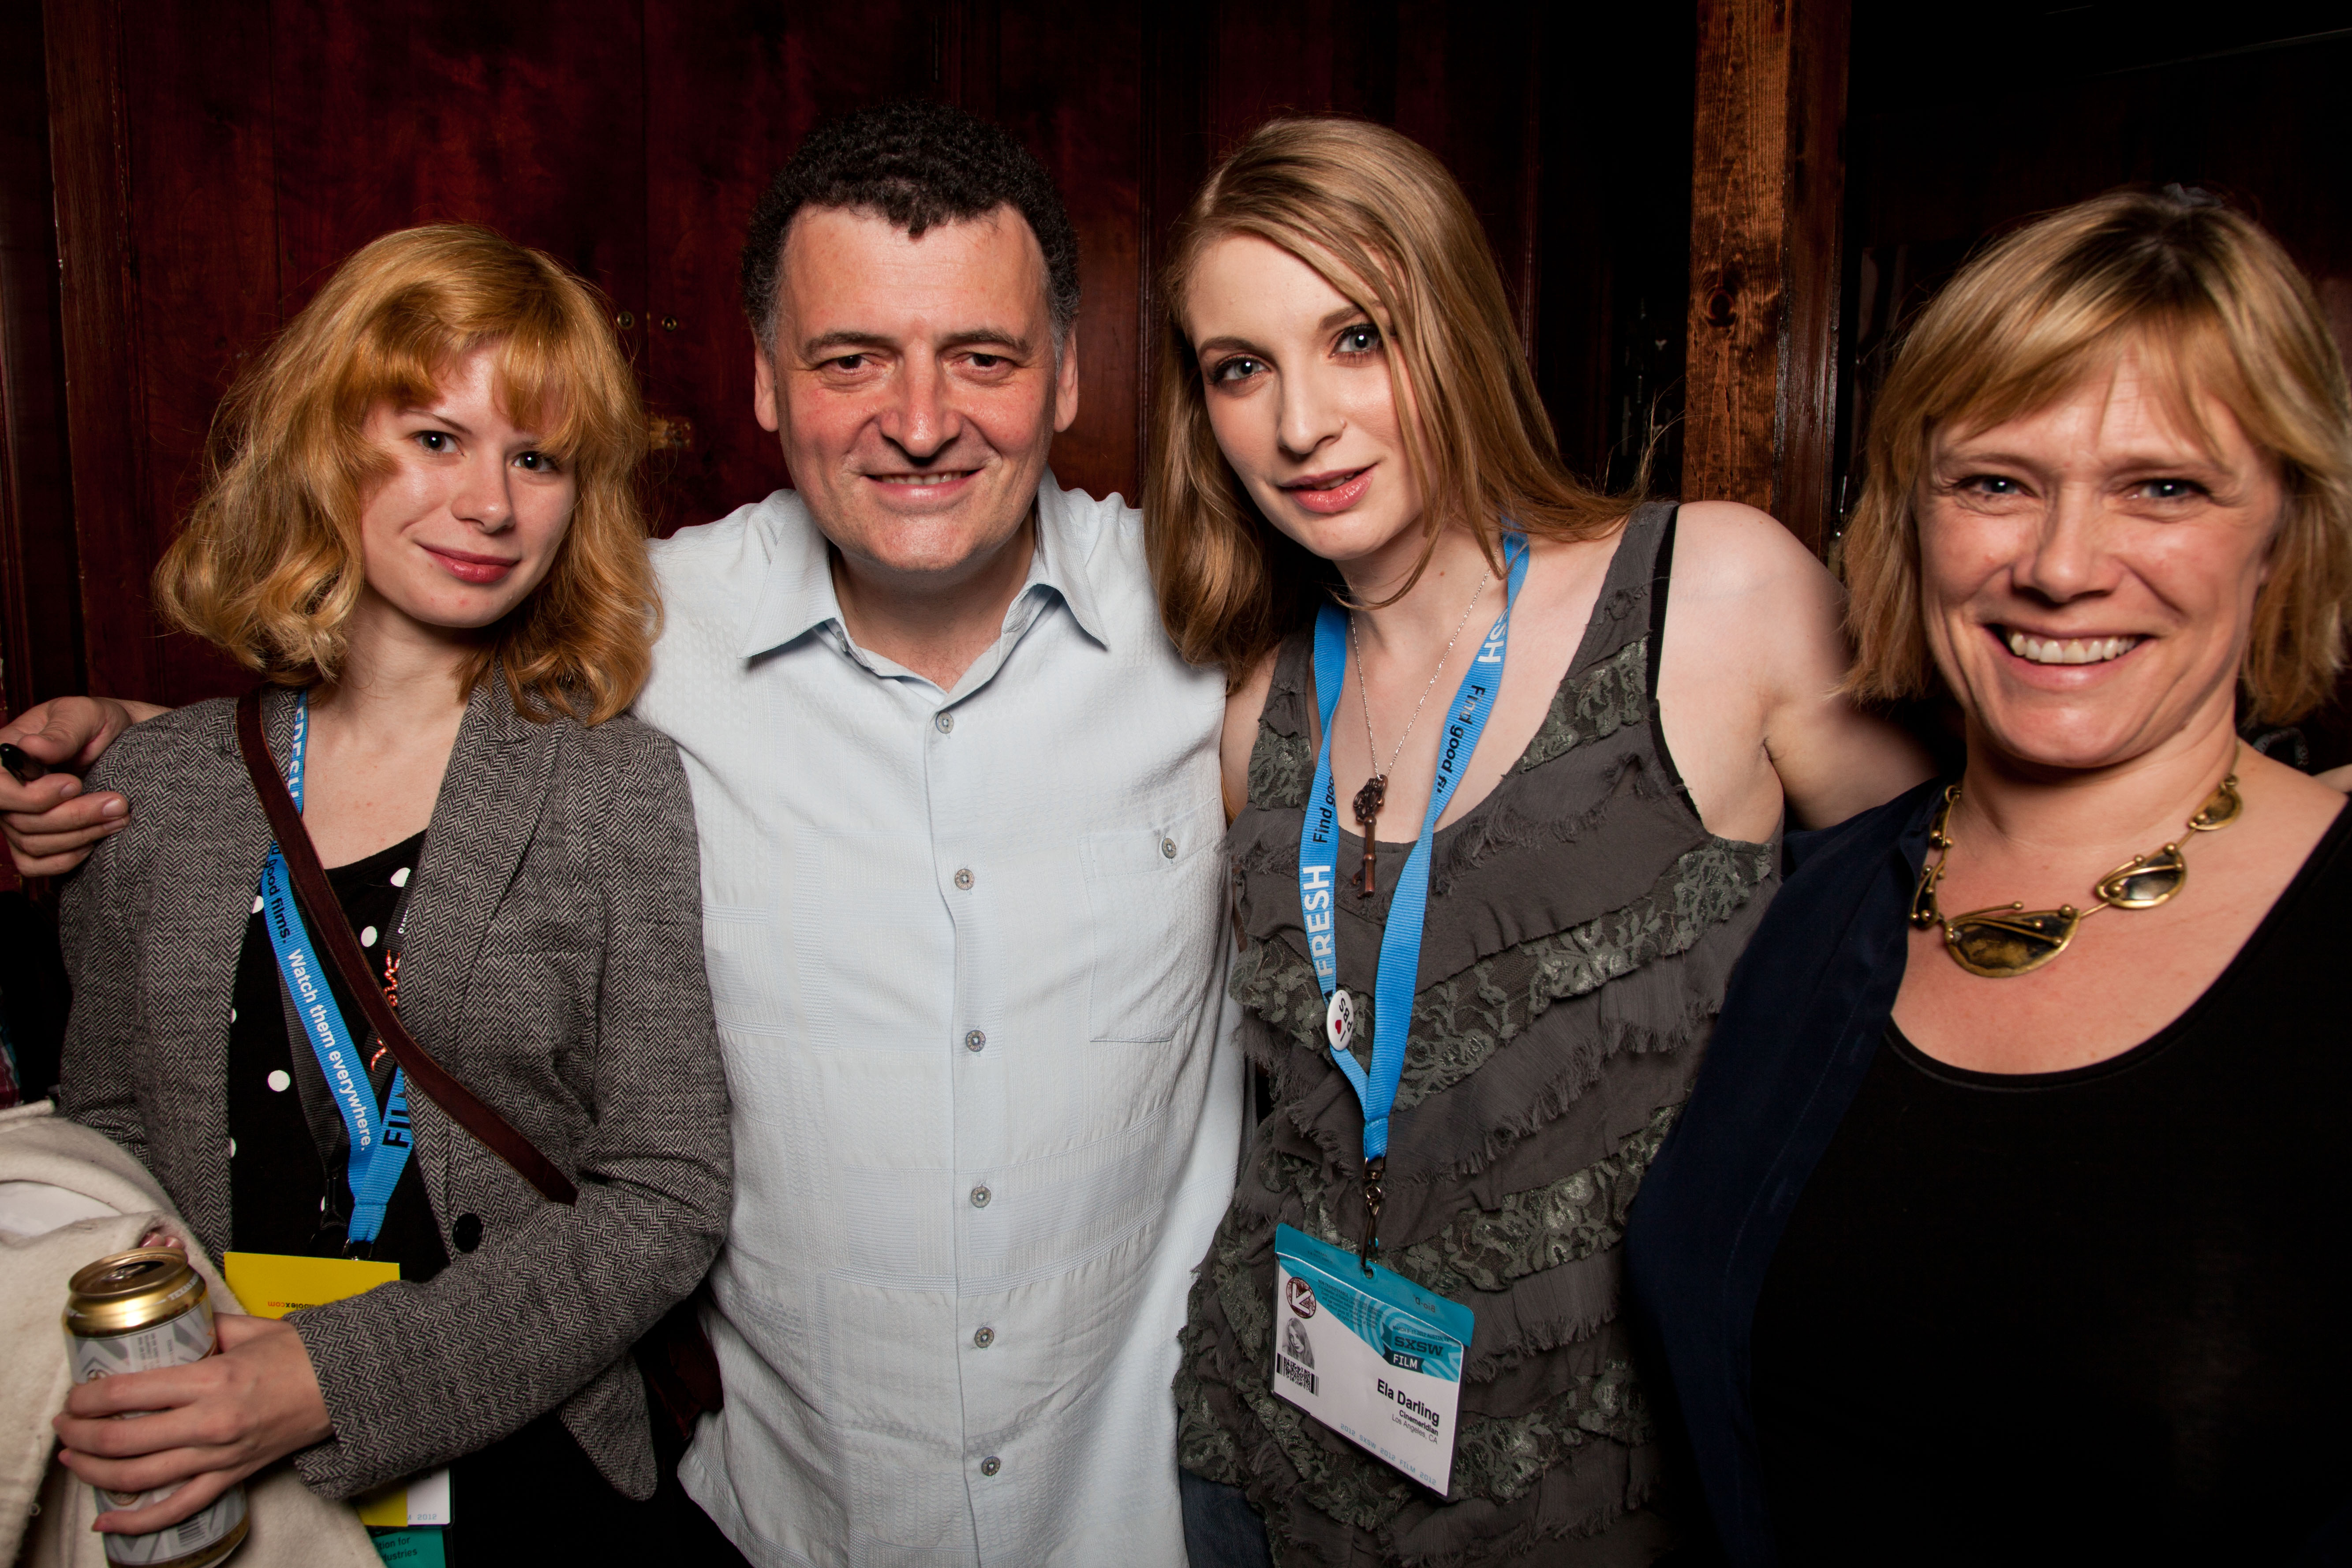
{"x": 797, "y": 596}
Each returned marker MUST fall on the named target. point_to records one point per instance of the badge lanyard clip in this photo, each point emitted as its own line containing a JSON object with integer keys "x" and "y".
{"x": 1318, "y": 844}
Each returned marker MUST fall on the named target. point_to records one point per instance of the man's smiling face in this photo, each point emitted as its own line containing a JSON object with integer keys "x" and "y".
{"x": 914, "y": 387}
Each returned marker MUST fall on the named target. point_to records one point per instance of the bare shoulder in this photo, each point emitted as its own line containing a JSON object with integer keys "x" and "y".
{"x": 1723, "y": 546}
{"x": 1244, "y": 702}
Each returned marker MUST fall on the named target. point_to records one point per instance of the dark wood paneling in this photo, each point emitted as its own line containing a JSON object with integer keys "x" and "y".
{"x": 729, "y": 92}
{"x": 1065, "y": 84}
{"x": 105, "y": 402}
{"x": 1771, "y": 85}
{"x": 40, "y": 599}
{"x": 198, "y": 180}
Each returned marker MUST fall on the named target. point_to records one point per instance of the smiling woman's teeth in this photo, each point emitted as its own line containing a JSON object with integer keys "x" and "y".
{"x": 2074, "y": 650}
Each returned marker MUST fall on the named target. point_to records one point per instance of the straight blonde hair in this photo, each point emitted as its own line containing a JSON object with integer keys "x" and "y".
{"x": 1380, "y": 219}
{"x": 2214, "y": 308}
{"x": 269, "y": 568}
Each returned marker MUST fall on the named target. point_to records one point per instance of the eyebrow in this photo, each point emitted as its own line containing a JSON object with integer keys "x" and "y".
{"x": 825, "y": 344}
{"x": 1330, "y": 322}
{"x": 437, "y": 418}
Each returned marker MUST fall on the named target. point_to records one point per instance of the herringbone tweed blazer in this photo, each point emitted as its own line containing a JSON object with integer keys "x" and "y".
{"x": 553, "y": 964}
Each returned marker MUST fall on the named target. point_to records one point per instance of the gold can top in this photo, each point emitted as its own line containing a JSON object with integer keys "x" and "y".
{"x": 129, "y": 1291}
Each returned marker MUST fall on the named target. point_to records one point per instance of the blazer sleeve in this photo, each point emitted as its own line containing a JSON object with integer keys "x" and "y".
{"x": 101, "y": 917}
{"x": 415, "y": 1374}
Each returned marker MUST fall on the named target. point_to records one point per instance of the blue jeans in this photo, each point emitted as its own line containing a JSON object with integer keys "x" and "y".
{"x": 1221, "y": 1528}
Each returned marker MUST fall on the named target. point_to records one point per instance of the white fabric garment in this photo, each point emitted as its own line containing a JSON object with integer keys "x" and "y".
{"x": 968, "y": 958}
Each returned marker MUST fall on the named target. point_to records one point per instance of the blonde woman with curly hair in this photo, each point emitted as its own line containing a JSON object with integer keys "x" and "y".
{"x": 421, "y": 532}
{"x": 1478, "y": 1012}
{"x": 2003, "y": 1223}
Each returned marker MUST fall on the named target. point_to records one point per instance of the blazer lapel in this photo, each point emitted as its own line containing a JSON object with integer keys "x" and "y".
{"x": 490, "y": 801}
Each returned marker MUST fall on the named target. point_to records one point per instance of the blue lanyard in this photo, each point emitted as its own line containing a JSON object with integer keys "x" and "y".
{"x": 1318, "y": 847}
{"x": 378, "y": 1139}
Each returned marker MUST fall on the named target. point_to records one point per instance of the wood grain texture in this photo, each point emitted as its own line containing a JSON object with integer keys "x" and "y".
{"x": 1765, "y": 210}
{"x": 40, "y": 600}
{"x": 105, "y": 387}
{"x": 1739, "y": 226}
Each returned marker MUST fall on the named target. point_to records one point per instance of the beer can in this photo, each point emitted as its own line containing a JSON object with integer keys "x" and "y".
{"x": 139, "y": 1312}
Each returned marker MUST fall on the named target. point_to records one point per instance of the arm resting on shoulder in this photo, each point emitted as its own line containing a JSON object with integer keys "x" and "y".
{"x": 50, "y": 822}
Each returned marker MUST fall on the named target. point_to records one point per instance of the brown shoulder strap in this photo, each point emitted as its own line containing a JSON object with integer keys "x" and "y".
{"x": 334, "y": 932}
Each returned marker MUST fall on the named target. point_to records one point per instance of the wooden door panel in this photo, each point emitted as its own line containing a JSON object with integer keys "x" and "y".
{"x": 730, "y": 91}
{"x": 199, "y": 187}
{"x": 1065, "y": 86}
{"x": 528, "y": 118}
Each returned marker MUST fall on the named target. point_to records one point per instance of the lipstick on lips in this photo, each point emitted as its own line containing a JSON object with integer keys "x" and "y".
{"x": 1332, "y": 492}
{"x": 469, "y": 567}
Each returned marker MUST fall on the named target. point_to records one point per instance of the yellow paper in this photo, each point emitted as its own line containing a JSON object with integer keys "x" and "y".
{"x": 270, "y": 1285}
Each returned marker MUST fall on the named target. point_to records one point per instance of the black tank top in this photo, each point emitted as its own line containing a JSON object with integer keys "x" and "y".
{"x": 2101, "y": 1315}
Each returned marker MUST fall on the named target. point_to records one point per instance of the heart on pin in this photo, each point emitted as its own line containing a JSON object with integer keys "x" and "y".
{"x": 1339, "y": 1021}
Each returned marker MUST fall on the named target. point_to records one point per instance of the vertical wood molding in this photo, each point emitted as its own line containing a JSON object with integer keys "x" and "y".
{"x": 104, "y": 400}
{"x": 40, "y": 597}
{"x": 1767, "y": 189}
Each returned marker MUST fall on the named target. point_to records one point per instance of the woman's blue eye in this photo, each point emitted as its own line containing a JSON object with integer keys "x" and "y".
{"x": 1993, "y": 485}
{"x": 1360, "y": 338}
{"x": 2171, "y": 490}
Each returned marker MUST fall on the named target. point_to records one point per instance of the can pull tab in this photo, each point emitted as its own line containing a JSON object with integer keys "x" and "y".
{"x": 1374, "y": 1196}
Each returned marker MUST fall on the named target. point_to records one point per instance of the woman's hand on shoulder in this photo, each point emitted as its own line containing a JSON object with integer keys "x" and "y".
{"x": 1752, "y": 598}
{"x": 1243, "y": 703}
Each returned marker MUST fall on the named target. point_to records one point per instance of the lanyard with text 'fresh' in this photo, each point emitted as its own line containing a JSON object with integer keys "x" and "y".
{"x": 1319, "y": 852}
{"x": 379, "y": 1140}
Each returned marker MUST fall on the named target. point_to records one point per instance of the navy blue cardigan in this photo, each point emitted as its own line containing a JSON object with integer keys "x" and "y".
{"x": 1805, "y": 1015}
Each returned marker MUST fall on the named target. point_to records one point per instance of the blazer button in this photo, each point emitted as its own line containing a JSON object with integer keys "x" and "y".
{"x": 467, "y": 1232}
{"x": 991, "y": 1465}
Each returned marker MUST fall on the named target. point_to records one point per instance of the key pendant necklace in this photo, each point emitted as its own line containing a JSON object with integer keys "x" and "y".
{"x": 1375, "y": 793}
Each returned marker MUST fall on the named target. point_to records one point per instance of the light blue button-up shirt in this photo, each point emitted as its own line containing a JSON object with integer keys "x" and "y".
{"x": 966, "y": 949}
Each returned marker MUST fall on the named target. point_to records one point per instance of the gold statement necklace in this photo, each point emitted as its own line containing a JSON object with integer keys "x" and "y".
{"x": 2008, "y": 940}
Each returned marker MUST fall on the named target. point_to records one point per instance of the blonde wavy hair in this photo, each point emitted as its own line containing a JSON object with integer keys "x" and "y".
{"x": 1379, "y": 218}
{"x": 269, "y": 565}
{"x": 2213, "y": 308}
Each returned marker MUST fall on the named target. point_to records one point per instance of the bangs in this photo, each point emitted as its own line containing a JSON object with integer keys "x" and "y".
{"x": 405, "y": 354}
{"x": 2183, "y": 359}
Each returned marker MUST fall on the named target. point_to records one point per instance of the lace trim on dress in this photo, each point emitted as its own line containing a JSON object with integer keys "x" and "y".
{"x": 1592, "y": 706}
{"x": 1459, "y": 1022}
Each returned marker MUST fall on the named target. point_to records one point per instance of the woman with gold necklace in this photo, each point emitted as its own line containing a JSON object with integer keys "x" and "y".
{"x": 2004, "y": 1222}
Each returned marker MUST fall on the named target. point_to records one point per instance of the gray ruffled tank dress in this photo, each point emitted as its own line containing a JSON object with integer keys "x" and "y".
{"x": 1581, "y": 926}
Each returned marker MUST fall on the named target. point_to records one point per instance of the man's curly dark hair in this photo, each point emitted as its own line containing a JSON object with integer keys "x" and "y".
{"x": 917, "y": 163}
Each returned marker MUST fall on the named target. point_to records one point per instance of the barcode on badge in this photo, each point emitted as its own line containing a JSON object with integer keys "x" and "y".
{"x": 1296, "y": 1372}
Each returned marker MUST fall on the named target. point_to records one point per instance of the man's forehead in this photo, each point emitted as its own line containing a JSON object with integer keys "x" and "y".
{"x": 854, "y": 269}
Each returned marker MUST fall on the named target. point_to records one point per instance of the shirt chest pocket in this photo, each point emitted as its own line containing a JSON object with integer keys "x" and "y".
{"x": 1154, "y": 896}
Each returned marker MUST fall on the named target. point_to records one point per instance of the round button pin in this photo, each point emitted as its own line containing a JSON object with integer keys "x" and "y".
{"x": 984, "y": 1338}
{"x": 980, "y": 1197}
{"x": 974, "y": 1040}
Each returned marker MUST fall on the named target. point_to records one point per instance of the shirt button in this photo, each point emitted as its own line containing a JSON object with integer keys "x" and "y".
{"x": 946, "y": 722}
{"x": 964, "y": 879}
{"x": 1168, "y": 847}
{"x": 984, "y": 1338}
{"x": 974, "y": 1040}
{"x": 280, "y": 1080}
{"x": 991, "y": 1465}
{"x": 980, "y": 1197}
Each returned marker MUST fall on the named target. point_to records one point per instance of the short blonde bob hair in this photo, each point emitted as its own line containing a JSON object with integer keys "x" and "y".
{"x": 2213, "y": 308}
{"x": 1381, "y": 220}
{"x": 268, "y": 567}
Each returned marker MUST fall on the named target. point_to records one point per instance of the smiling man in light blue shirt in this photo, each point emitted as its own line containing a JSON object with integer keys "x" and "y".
{"x": 961, "y": 826}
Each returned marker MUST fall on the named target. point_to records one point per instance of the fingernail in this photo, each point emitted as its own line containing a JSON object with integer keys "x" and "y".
{"x": 115, "y": 808}
{"x": 70, "y": 788}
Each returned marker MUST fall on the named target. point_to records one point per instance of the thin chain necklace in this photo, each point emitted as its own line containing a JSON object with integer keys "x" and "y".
{"x": 1375, "y": 793}
{"x": 2007, "y": 940}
